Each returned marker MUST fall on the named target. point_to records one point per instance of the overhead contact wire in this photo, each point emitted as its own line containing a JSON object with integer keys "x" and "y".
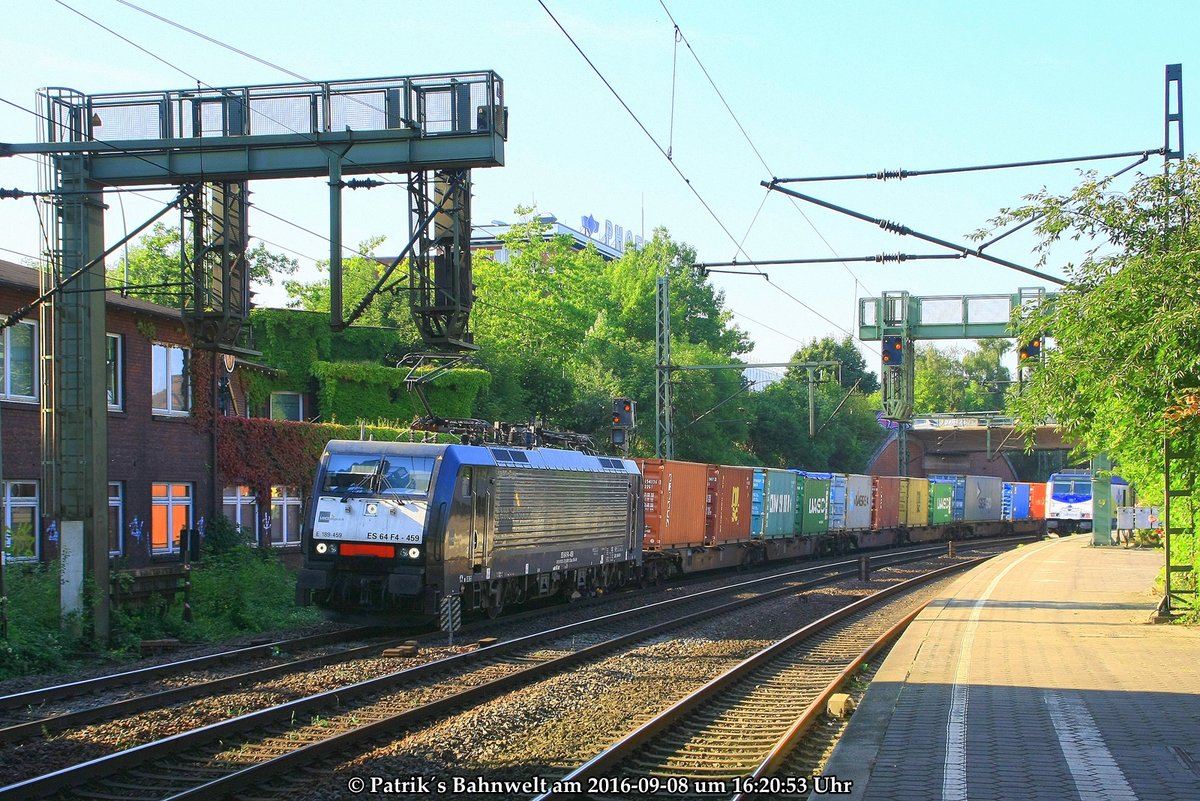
{"x": 675, "y": 166}
{"x": 753, "y": 146}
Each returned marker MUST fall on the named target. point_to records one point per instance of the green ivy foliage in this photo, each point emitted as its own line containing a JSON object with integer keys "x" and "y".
{"x": 292, "y": 339}
{"x": 366, "y": 391}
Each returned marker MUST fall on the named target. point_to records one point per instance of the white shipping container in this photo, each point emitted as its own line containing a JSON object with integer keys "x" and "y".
{"x": 858, "y": 501}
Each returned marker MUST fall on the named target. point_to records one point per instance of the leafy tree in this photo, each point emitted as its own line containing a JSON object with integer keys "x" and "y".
{"x": 1125, "y": 366}
{"x": 946, "y": 380}
{"x": 359, "y": 275}
{"x": 533, "y": 310}
{"x": 155, "y": 274}
{"x": 938, "y": 384}
{"x": 845, "y": 439}
{"x": 855, "y": 372}
{"x": 698, "y": 314}
{"x": 987, "y": 378}
{"x": 564, "y": 332}
{"x": 152, "y": 259}
{"x": 541, "y": 300}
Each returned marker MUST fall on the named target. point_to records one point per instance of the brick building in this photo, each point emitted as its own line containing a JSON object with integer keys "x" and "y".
{"x": 160, "y": 462}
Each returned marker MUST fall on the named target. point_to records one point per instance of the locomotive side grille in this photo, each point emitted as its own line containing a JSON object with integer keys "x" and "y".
{"x": 574, "y": 508}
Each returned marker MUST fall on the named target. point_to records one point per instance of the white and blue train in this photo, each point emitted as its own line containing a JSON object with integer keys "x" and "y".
{"x": 1069, "y": 505}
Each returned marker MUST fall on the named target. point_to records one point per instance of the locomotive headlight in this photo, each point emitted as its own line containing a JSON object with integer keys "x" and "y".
{"x": 414, "y": 553}
{"x": 322, "y": 548}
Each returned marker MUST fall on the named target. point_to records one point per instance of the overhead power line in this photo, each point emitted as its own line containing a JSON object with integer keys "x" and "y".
{"x": 904, "y": 230}
{"x": 720, "y": 223}
{"x": 217, "y": 42}
{"x": 886, "y": 175}
{"x": 753, "y": 146}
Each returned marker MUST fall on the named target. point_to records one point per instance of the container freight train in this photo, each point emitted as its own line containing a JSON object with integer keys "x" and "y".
{"x": 392, "y": 528}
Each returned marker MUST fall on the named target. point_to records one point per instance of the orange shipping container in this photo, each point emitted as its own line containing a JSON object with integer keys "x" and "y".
{"x": 1037, "y": 501}
{"x": 729, "y": 496}
{"x": 674, "y": 495}
{"x": 886, "y": 511}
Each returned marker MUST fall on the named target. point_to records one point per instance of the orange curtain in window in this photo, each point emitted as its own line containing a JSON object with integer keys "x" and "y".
{"x": 160, "y": 526}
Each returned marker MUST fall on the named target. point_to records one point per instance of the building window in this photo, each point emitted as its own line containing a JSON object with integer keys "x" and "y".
{"x": 172, "y": 511}
{"x": 114, "y": 370}
{"x": 116, "y": 517}
{"x": 285, "y": 516}
{"x": 172, "y": 392}
{"x": 21, "y": 519}
{"x": 241, "y": 508}
{"x": 287, "y": 406}
{"x": 18, "y": 357}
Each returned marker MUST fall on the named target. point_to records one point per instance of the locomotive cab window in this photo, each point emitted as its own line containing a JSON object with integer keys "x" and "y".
{"x": 352, "y": 474}
{"x": 1068, "y": 487}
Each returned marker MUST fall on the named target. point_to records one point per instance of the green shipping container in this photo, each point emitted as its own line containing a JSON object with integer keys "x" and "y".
{"x": 779, "y": 509}
{"x": 812, "y": 505}
{"x": 941, "y": 503}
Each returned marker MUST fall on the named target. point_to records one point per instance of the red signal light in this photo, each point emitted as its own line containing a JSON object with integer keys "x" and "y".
{"x": 893, "y": 350}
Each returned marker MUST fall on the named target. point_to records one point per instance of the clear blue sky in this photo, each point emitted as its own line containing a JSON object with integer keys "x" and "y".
{"x": 820, "y": 88}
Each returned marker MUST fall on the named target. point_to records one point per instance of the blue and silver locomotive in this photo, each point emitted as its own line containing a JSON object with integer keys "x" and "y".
{"x": 393, "y": 527}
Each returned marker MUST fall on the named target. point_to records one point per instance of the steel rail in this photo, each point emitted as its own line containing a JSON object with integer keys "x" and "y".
{"x": 75, "y": 775}
{"x": 788, "y": 741}
{"x": 227, "y": 786}
{"x": 140, "y": 703}
{"x": 24, "y": 730}
{"x": 86, "y": 686}
{"x": 601, "y": 764}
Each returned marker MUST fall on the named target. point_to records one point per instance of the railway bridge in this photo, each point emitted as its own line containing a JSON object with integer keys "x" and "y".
{"x": 972, "y": 444}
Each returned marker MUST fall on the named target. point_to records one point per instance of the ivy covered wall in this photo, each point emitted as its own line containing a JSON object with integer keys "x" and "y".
{"x": 350, "y": 391}
{"x": 350, "y": 371}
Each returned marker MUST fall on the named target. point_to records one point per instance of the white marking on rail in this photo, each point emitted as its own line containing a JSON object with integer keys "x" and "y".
{"x": 1093, "y": 769}
{"x": 954, "y": 773}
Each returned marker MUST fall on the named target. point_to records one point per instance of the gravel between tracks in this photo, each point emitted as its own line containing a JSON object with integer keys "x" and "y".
{"x": 550, "y": 727}
{"x": 103, "y": 666}
{"x": 539, "y": 731}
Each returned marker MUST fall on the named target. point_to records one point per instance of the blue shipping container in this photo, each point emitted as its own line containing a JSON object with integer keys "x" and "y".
{"x": 756, "y": 504}
{"x": 1015, "y": 504}
{"x": 837, "y": 501}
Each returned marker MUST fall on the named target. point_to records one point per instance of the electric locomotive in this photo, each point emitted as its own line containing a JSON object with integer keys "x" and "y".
{"x": 395, "y": 526}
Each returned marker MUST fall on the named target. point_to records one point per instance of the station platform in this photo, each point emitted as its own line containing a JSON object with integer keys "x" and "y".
{"x": 1036, "y": 676}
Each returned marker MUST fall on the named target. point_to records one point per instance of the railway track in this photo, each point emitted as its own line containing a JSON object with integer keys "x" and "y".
{"x": 98, "y": 684}
{"x": 729, "y": 738}
{"x": 41, "y": 712}
{"x": 233, "y": 755}
{"x": 46, "y": 711}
